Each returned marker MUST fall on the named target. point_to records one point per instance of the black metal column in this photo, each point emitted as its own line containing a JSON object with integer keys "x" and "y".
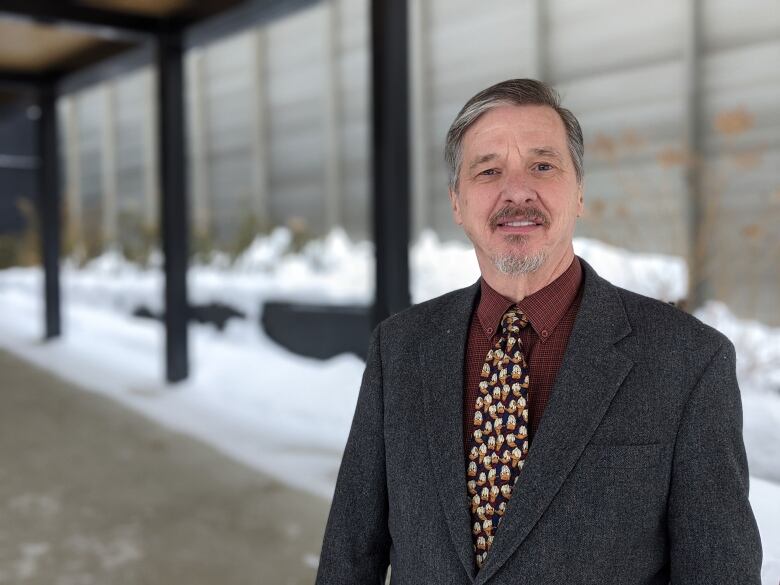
{"x": 390, "y": 143}
{"x": 49, "y": 207}
{"x": 174, "y": 212}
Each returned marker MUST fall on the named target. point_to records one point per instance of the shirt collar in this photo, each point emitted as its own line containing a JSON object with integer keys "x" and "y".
{"x": 544, "y": 308}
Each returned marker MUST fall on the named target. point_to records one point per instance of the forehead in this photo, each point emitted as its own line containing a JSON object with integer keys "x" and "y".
{"x": 523, "y": 127}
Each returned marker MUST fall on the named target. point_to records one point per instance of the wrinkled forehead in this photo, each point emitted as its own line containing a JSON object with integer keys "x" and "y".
{"x": 525, "y": 128}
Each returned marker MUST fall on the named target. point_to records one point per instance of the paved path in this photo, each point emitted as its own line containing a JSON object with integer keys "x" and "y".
{"x": 94, "y": 494}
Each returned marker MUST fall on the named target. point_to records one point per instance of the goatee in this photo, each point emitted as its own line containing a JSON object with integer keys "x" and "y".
{"x": 516, "y": 264}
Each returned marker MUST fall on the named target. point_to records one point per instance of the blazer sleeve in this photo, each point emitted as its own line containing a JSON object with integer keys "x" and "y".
{"x": 713, "y": 534}
{"x": 356, "y": 546}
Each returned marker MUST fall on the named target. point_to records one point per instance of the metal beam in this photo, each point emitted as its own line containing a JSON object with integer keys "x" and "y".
{"x": 106, "y": 24}
{"x": 19, "y": 162}
{"x": 114, "y": 67}
{"x": 20, "y": 82}
{"x": 242, "y": 16}
{"x": 49, "y": 208}
{"x": 174, "y": 212}
{"x": 699, "y": 288}
{"x": 390, "y": 149}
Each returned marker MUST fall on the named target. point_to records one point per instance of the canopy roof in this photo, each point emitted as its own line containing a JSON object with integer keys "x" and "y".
{"x": 57, "y": 37}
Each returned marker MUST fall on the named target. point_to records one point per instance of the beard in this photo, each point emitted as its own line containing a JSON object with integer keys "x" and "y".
{"x": 515, "y": 263}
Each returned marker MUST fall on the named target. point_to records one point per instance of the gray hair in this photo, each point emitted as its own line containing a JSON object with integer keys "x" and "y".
{"x": 517, "y": 92}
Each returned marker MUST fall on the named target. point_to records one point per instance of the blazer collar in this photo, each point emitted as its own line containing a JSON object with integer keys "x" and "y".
{"x": 591, "y": 372}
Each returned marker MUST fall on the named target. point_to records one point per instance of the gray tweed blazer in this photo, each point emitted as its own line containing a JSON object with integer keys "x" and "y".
{"x": 637, "y": 473}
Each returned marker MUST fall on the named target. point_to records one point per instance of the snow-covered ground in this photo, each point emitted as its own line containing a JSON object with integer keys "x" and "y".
{"x": 237, "y": 395}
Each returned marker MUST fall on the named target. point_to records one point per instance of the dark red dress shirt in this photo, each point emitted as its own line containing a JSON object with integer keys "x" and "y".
{"x": 551, "y": 312}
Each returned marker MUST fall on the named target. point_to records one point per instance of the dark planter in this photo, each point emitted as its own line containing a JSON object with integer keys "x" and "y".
{"x": 319, "y": 331}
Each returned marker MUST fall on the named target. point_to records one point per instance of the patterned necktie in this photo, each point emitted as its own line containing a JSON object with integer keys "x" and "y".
{"x": 500, "y": 436}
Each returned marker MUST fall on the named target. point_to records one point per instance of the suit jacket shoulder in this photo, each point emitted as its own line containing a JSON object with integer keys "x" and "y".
{"x": 668, "y": 335}
{"x": 418, "y": 322}
{"x": 668, "y": 323}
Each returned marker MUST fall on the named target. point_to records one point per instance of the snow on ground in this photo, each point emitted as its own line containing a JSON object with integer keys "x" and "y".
{"x": 237, "y": 397}
{"x": 764, "y": 497}
{"x": 758, "y": 346}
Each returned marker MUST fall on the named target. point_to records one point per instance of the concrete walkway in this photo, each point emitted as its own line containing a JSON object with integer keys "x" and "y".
{"x": 93, "y": 494}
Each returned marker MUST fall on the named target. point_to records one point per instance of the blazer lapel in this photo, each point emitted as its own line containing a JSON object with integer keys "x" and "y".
{"x": 590, "y": 375}
{"x": 441, "y": 358}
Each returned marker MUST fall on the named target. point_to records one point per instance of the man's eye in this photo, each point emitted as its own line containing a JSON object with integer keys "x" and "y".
{"x": 544, "y": 167}
{"x": 489, "y": 172}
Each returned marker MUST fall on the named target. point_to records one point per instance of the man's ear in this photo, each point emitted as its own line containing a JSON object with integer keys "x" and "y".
{"x": 455, "y": 203}
{"x": 580, "y": 201}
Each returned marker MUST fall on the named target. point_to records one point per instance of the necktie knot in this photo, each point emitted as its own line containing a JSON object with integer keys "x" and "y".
{"x": 513, "y": 320}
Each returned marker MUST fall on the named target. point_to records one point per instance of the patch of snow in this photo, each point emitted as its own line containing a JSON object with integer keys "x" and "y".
{"x": 659, "y": 276}
{"x": 757, "y": 345}
{"x": 764, "y": 498}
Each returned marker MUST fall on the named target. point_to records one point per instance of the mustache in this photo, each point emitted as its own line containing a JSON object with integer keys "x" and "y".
{"x": 512, "y": 212}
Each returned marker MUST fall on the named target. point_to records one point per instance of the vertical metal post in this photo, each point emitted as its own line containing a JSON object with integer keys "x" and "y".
{"x": 174, "y": 212}
{"x": 151, "y": 167}
{"x": 698, "y": 285}
{"x": 419, "y": 21}
{"x": 73, "y": 190}
{"x": 108, "y": 176}
{"x": 260, "y": 151}
{"x": 49, "y": 208}
{"x": 334, "y": 190}
{"x": 390, "y": 149}
{"x": 541, "y": 32}
{"x": 199, "y": 139}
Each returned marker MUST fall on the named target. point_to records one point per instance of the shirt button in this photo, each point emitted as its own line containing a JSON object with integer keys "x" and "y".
{"x": 545, "y": 333}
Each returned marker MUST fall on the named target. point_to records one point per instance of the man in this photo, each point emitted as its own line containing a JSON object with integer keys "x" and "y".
{"x": 541, "y": 426}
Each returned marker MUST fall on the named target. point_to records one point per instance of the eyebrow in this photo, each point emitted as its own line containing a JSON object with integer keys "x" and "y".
{"x": 482, "y": 159}
{"x": 547, "y": 151}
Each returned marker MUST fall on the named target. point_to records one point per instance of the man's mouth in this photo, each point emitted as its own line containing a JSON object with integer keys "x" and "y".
{"x": 520, "y": 226}
{"x": 519, "y": 223}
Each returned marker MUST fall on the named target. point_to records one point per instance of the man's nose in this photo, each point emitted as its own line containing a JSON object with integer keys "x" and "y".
{"x": 518, "y": 187}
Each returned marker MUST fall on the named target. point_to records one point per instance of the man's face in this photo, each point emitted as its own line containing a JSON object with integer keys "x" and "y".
{"x": 517, "y": 195}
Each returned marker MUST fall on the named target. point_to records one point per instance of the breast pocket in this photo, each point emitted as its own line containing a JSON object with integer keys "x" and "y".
{"x": 623, "y": 456}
